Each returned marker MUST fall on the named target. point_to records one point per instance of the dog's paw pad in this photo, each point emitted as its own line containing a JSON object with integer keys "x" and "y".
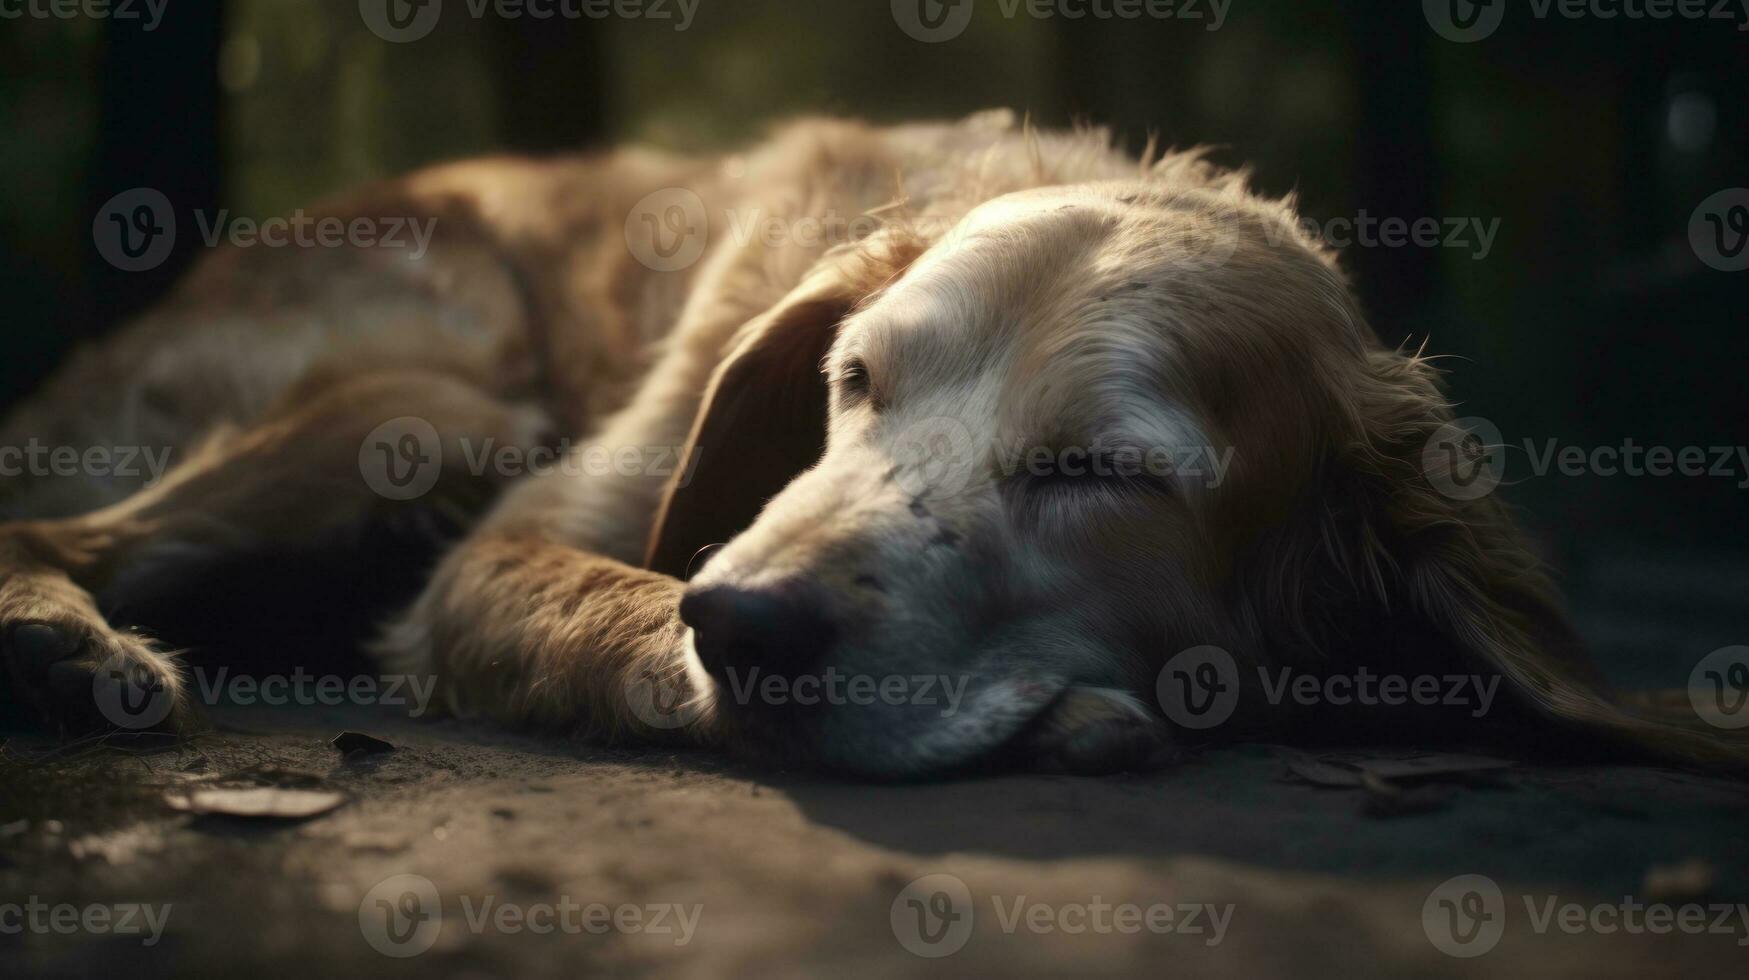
{"x": 70, "y": 681}
{"x": 1099, "y": 731}
{"x": 76, "y": 679}
{"x": 38, "y": 646}
{"x": 1104, "y": 748}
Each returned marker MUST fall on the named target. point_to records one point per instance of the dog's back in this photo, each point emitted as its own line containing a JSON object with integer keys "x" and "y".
{"x": 500, "y": 273}
{"x": 544, "y": 282}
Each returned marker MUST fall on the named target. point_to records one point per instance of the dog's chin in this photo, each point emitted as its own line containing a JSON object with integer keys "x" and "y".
{"x": 990, "y": 719}
{"x": 880, "y": 740}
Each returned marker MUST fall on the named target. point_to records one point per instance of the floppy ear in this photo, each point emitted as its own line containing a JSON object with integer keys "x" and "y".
{"x": 1439, "y": 570}
{"x": 763, "y": 418}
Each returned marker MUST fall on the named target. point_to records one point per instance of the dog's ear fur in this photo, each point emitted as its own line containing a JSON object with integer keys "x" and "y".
{"x": 763, "y": 418}
{"x": 1407, "y": 577}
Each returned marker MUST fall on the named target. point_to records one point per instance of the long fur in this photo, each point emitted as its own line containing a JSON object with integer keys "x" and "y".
{"x": 532, "y": 319}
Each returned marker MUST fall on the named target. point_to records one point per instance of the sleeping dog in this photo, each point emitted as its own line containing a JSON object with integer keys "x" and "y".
{"x": 975, "y": 442}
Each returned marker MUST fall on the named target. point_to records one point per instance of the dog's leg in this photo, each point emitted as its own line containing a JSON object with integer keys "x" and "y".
{"x": 541, "y": 619}
{"x": 533, "y": 634}
{"x": 55, "y": 644}
{"x": 300, "y": 475}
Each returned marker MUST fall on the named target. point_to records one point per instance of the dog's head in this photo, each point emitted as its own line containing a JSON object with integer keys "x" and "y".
{"x": 1087, "y": 429}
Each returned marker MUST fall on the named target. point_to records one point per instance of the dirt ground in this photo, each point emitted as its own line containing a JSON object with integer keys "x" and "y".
{"x": 469, "y": 853}
{"x": 784, "y": 875}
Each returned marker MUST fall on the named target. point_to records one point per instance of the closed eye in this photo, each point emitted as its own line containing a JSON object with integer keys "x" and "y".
{"x": 1063, "y": 494}
{"x": 1099, "y": 471}
{"x": 855, "y": 384}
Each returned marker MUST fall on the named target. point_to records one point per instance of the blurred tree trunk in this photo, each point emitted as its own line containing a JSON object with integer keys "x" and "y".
{"x": 552, "y": 84}
{"x": 1396, "y": 164}
{"x": 1111, "y": 73}
{"x": 160, "y": 118}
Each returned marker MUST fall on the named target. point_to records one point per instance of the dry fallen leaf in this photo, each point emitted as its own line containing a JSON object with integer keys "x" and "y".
{"x": 383, "y": 843}
{"x": 1429, "y": 766}
{"x": 1689, "y": 880}
{"x": 1321, "y": 773}
{"x": 358, "y": 743}
{"x": 262, "y": 802}
{"x": 1385, "y": 799}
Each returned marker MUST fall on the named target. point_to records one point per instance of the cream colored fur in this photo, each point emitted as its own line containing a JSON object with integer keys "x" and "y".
{"x": 1020, "y": 288}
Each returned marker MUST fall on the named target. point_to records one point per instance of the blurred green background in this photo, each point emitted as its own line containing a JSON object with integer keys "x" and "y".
{"x": 1592, "y": 141}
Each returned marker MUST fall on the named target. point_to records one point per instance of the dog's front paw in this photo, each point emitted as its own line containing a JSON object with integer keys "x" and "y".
{"x": 76, "y": 676}
{"x": 1094, "y": 731}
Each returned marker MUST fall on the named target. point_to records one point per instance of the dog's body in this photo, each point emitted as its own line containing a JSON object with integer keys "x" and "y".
{"x": 1022, "y": 296}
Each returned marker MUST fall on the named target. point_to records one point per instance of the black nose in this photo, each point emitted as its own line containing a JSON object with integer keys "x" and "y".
{"x": 782, "y": 630}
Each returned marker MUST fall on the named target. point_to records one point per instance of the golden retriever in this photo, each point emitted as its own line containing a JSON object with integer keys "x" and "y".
{"x": 1005, "y": 436}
